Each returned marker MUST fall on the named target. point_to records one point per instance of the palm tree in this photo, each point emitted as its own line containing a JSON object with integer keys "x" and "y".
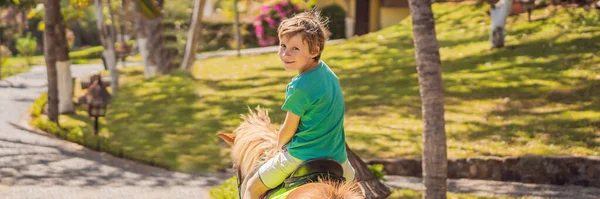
{"x": 109, "y": 49}
{"x": 499, "y": 13}
{"x": 193, "y": 35}
{"x": 51, "y": 16}
{"x": 432, "y": 96}
{"x": 63, "y": 67}
{"x": 150, "y": 17}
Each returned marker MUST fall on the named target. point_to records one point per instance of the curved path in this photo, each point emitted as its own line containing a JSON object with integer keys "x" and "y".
{"x": 33, "y": 165}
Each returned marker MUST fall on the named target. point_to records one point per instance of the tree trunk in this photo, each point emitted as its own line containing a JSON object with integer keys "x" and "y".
{"x": 1, "y": 56}
{"x": 432, "y": 96}
{"x": 109, "y": 49}
{"x": 142, "y": 40}
{"x": 122, "y": 31}
{"x": 369, "y": 184}
{"x": 51, "y": 12}
{"x": 499, "y": 12}
{"x": 24, "y": 20}
{"x": 113, "y": 29}
{"x": 63, "y": 65}
{"x": 238, "y": 35}
{"x": 156, "y": 44}
{"x": 194, "y": 35}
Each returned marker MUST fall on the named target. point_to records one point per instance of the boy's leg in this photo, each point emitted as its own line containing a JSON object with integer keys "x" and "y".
{"x": 349, "y": 172}
{"x": 271, "y": 174}
{"x": 255, "y": 188}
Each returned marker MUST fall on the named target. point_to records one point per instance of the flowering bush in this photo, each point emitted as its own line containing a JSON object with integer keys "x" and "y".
{"x": 269, "y": 19}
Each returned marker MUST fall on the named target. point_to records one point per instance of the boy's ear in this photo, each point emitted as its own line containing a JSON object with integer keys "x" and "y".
{"x": 316, "y": 52}
{"x": 229, "y": 138}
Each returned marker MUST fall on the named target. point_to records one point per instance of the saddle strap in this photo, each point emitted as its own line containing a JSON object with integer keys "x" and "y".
{"x": 314, "y": 177}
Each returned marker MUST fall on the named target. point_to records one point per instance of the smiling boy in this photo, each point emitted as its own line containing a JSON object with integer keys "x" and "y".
{"x": 314, "y": 123}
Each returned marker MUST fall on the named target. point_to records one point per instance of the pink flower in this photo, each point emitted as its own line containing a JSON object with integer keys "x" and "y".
{"x": 278, "y": 8}
{"x": 271, "y": 23}
{"x": 284, "y": 3}
{"x": 264, "y": 9}
{"x": 263, "y": 43}
{"x": 282, "y": 14}
{"x": 259, "y": 31}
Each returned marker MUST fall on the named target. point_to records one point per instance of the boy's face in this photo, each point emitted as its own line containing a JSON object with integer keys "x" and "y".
{"x": 295, "y": 54}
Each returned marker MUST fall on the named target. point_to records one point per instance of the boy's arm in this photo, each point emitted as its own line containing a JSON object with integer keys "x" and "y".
{"x": 288, "y": 129}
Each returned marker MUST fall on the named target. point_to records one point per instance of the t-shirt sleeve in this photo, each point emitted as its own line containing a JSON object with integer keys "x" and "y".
{"x": 296, "y": 101}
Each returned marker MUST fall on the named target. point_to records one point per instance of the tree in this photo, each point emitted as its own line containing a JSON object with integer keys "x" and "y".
{"x": 63, "y": 67}
{"x": 238, "y": 34}
{"x": 109, "y": 49}
{"x": 370, "y": 185}
{"x": 432, "y": 96}
{"x": 150, "y": 17}
{"x": 142, "y": 38}
{"x": 193, "y": 35}
{"x": 499, "y": 12}
{"x": 51, "y": 12}
{"x": 156, "y": 42}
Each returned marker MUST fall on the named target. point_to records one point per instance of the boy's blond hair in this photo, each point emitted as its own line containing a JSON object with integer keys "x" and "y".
{"x": 311, "y": 26}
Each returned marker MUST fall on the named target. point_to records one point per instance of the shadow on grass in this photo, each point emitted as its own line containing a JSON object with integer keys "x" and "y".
{"x": 158, "y": 121}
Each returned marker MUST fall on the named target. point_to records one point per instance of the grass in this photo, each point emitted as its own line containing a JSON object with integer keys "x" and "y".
{"x": 536, "y": 96}
{"x": 150, "y": 120}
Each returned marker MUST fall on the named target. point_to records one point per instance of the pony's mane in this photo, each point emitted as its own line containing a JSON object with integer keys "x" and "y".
{"x": 329, "y": 189}
{"x": 255, "y": 141}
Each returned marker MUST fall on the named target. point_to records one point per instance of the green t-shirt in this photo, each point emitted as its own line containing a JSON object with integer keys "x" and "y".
{"x": 317, "y": 98}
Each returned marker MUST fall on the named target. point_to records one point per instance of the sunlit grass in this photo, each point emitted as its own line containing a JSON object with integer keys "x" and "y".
{"x": 535, "y": 96}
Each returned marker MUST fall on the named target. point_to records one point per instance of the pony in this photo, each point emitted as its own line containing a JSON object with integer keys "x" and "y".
{"x": 255, "y": 141}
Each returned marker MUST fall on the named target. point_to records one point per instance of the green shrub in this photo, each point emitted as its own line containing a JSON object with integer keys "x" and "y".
{"x": 377, "y": 170}
{"x": 226, "y": 190}
{"x": 26, "y": 47}
{"x": 337, "y": 20}
{"x": 88, "y": 53}
{"x": 5, "y": 52}
{"x": 4, "y": 55}
{"x": 38, "y": 105}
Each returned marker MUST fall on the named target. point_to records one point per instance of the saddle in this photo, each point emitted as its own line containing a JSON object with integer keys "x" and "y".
{"x": 307, "y": 172}
{"x": 311, "y": 171}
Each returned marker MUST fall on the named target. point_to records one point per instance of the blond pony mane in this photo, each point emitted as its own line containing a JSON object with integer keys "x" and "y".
{"x": 327, "y": 189}
{"x": 255, "y": 141}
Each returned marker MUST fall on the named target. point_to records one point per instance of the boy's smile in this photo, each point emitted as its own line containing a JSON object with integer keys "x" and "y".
{"x": 295, "y": 54}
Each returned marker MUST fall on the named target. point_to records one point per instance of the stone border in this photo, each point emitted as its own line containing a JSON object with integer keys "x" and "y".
{"x": 556, "y": 170}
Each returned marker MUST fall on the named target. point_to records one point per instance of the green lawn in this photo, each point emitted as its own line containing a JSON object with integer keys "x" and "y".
{"x": 536, "y": 96}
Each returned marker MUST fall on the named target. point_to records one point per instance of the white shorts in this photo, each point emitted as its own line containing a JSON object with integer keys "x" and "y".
{"x": 276, "y": 169}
